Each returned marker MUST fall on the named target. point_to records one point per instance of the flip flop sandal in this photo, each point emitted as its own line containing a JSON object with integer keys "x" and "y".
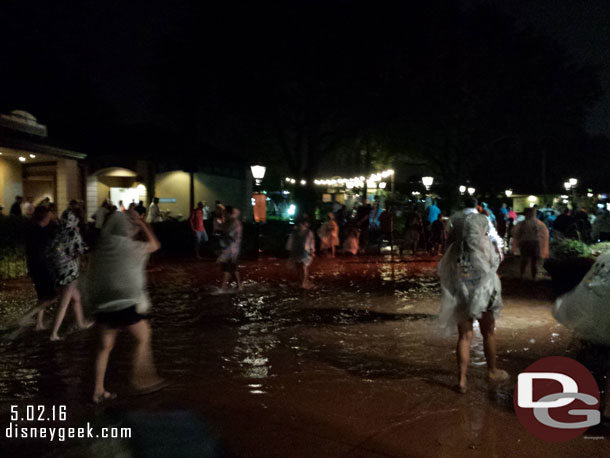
{"x": 106, "y": 396}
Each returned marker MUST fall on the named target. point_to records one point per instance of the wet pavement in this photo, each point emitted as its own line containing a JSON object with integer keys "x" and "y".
{"x": 356, "y": 367}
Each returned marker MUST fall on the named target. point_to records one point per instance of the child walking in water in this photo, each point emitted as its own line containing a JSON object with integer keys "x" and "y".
{"x": 301, "y": 245}
{"x": 329, "y": 235}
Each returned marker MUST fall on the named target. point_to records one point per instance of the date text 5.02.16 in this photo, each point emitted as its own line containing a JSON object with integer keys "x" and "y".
{"x": 38, "y": 413}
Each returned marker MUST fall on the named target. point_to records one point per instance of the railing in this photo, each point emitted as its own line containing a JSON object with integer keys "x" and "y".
{"x": 13, "y": 232}
{"x": 12, "y": 262}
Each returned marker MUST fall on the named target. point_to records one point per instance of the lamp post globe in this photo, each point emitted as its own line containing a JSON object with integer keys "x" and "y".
{"x": 258, "y": 173}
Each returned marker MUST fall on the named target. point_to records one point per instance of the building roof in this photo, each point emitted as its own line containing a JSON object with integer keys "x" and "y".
{"x": 22, "y": 141}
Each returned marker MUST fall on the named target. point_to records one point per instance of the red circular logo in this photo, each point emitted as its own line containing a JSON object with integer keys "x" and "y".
{"x": 557, "y": 399}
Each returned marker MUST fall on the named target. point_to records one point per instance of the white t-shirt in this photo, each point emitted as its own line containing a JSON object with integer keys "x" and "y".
{"x": 154, "y": 214}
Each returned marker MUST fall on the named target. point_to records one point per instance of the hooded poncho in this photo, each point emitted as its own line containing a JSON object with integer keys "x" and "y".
{"x": 117, "y": 277}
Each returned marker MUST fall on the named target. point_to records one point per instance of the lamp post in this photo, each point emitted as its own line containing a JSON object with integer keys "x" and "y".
{"x": 427, "y": 181}
{"x": 570, "y": 185}
{"x": 508, "y": 192}
{"x": 471, "y": 191}
{"x": 462, "y": 189}
{"x": 258, "y": 172}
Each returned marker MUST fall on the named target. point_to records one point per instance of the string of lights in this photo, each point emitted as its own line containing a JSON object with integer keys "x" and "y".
{"x": 354, "y": 182}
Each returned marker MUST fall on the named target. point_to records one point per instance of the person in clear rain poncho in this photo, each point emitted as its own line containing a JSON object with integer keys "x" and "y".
{"x": 470, "y": 286}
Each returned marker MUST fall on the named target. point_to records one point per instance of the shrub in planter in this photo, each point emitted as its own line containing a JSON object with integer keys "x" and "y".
{"x": 569, "y": 248}
{"x": 570, "y": 262}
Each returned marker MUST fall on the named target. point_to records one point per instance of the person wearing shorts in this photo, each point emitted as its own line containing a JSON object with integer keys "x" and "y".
{"x": 116, "y": 290}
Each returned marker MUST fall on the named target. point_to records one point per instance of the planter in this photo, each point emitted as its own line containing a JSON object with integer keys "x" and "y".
{"x": 567, "y": 273}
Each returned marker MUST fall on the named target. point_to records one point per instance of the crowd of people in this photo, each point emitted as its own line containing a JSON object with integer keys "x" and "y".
{"x": 473, "y": 243}
{"x": 117, "y": 247}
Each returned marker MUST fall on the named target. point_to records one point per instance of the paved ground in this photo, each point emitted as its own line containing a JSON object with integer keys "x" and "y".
{"x": 355, "y": 368}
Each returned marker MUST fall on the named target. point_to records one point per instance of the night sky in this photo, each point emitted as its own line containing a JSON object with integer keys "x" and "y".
{"x": 583, "y": 28}
{"x": 89, "y": 68}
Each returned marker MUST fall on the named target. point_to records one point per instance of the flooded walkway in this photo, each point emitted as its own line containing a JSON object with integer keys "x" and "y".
{"x": 356, "y": 367}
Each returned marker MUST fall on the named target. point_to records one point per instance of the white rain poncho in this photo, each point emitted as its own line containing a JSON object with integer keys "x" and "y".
{"x": 116, "y": 279}
{"x": 329, "y": 235}
{"x": 469, "y": 282}
{"x": 232, "y": 234}
{"x": 301, "y": 244}
{"x": 586, "y": 309}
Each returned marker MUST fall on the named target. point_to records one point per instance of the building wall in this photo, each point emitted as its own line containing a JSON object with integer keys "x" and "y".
{"x": 103, "y": 192}
{"x": 68, "y": 184}
{"x": 207, "y": 187}
{"x": 173, "y": 185}
{"x": 230, "y": 191}
{"x": 91, "y": 197}
{"x": 39, "y": 181}
{"x": 39, "y": 189}
{"x": 11, "y": 183}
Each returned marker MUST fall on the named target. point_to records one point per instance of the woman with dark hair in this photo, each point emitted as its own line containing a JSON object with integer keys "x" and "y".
{"x": 38, "y": 239}
{"x": 65, "y": 251}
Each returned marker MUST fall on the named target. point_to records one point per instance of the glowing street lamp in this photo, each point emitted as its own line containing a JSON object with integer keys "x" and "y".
{"x": 462, "y": 189}
{"x": 567, "y": 185}
{"x": 508, "y": 192}
{"x": 471, "y": 191}
{"x": 427, "y": 181}
{"x": 382, "y": 185}
{"x": 258, "y": 172}
{"x": 573, "y": 182}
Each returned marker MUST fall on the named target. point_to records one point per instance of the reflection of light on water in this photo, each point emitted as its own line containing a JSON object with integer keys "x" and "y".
{"x": 254, "y": 340}
{"x": 478, "y": 352}
{"x": 27, "y": 379}
{"x": 254, "y": 367}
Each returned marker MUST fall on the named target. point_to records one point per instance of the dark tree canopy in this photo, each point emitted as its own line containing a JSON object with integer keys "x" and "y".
{"x": 299, "y": 84}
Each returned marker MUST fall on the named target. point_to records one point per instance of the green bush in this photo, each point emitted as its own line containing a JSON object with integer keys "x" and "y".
{"x": 569, "y": 248}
